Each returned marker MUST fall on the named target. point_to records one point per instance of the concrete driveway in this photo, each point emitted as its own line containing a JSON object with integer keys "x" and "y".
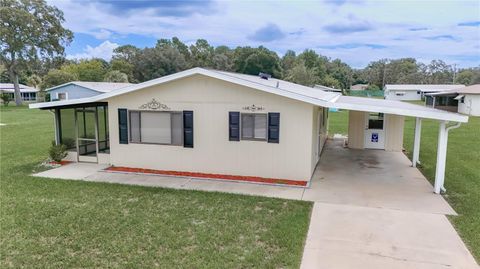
{"x": 372, "y": 209}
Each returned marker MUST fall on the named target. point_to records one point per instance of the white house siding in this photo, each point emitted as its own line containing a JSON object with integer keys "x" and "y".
{"x": 319, "y": 133}
{"x": 211, "y": 100}
{"x": 394, "y": 132}
{"x": 471, "y": 105}
{"x": 408, "y": 95}
{"x": 73, "y": 92}
{"x": 356, "y": 129}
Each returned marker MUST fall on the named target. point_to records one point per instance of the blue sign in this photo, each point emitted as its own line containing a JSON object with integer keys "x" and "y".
{"x": 374, "y": 137}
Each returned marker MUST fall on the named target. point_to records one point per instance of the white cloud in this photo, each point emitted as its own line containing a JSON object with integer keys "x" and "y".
{"x": 104, "y": 51}
{"x": 102, "y": 34}
{"x": 234, "y": 21}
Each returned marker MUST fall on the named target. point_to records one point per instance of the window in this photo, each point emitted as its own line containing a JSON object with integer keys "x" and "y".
{"x": 400, "y": 94}
{"x": 375, "y": 121}
{"x": 254, "y": 126}
{"x": 419, "y": 92}
{"x": 62, "y": 96}
{"x": 155, "y": 127}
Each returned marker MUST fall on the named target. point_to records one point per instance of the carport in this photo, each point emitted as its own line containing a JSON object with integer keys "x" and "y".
{"x": 448, "y": 121}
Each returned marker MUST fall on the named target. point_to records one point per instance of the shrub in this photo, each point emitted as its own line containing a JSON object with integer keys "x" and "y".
{"x": 57, "y": 152}
{"x": 68, "y": 142}
{"x": 6, "y": 98}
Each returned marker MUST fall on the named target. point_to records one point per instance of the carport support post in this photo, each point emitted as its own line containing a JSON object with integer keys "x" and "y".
{"x": 441, "y": 157}
{"x": 416, "y": 142}
{"x": 57, "y": 123}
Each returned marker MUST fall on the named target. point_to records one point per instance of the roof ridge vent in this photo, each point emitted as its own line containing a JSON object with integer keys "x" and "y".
{"x": 264, "y": 75}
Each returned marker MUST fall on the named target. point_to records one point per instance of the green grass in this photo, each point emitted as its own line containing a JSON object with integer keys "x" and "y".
{"x": 462, "y": 178}
{"x": 50, "y": 223}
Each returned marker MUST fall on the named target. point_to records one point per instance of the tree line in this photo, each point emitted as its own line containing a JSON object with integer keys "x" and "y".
{"x": 33, "y": 41}
{"x": 168, "y": 56}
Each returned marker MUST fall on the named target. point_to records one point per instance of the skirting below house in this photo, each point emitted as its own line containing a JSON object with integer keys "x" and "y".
{"x": 276, "y": 181}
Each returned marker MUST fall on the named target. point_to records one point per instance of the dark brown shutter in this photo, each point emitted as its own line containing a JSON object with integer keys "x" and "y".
{"x": 123, "y": 125}
{"x": 273, "y": 127}
{"x": 188, "y": 129}
{"x": 234, "y": 126}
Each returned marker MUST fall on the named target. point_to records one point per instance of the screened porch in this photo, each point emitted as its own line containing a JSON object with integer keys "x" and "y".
{"x": 84, "y": 131}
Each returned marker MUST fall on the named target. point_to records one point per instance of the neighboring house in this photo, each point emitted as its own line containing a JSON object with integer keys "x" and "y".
{"x": 410, "y": 92}
{"x": 327, "y": 89}
{"x": 359, "y": 87}
{"x": 82, "y": 89}
{"x": 464, "y": 100}
{"x": 28, "y": 94}
{"x": 229, "y": 124}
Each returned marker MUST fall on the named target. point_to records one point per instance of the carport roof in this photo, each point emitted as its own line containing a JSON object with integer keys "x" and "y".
{"x": 283, "y": 88}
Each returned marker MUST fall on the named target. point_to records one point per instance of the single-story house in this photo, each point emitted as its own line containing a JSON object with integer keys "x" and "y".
{"x": 411, "y": 92}
{"x": 464, "y": 100}
{"x": 229, "y": 124}
{"x": 359, "y": 87}
{"x": 82, "y": 89}
{"x": 28, "y": 94}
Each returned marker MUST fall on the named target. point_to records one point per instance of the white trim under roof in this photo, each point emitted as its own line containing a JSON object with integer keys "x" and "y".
{"x": 101, "y": 87}
{"x": 282, "y": 88}
{"x": 422, "y": 87}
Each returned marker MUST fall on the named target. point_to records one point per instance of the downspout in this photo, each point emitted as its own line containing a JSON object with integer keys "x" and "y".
{"x": 447, "y": 130}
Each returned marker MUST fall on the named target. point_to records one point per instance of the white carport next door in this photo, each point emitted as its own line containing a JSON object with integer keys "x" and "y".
{"x": 374, "y": 131}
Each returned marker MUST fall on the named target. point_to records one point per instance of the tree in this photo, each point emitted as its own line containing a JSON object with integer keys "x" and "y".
{"x": 30, "y": 29}
{"x": 116, "y": 76}
{"x": 126, "y": 52}
{"x": 201, "y": 54}
{"x": 123, "y": 66}
{"x": 438, "y": 72}
{"x": 468, "y": 76}
{"x": 6, "y": 98}
{"x": 156, "y": 62}
{"x": 34, "y": 81}
{"x": 252, "y": 61}
{"x": 56, "y": 77}
{"x": 87, "y": 70}
{"x": 289, "y": 60}
{"x": 341, "y": 72}
{"x": 300, "y": 74}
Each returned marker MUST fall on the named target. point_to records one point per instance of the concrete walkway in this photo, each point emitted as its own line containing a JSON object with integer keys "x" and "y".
{"x": 372, "y": 209}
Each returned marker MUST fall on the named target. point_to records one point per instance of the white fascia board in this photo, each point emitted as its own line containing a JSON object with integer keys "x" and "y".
{"x": 59, "y": 86}
{"x": 63, "y": 102}
{"x": 436, "y": 115}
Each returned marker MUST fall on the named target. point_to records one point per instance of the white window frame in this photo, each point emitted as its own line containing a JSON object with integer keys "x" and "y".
{"x": 140, "y": 127}
{"x": 253, "y": 138}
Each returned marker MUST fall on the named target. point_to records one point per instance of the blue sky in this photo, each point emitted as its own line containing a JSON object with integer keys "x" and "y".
{"x": 355, "y": 31}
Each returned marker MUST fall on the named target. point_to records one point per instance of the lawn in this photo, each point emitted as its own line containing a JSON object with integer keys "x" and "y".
{"x": 62, "y": 224}
{"x": 462, "y": 179}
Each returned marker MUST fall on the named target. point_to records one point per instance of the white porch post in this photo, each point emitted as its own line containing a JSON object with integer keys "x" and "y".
{"x": 416, "y": 142}
{"x": 441, "y": 157}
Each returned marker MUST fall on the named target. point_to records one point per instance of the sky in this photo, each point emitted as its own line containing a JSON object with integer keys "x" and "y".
{"x": 357, "y": 32}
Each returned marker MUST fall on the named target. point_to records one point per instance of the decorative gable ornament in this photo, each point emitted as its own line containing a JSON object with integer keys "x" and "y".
{"x": 154, "y": 105}
{"x": 253, "y": 108}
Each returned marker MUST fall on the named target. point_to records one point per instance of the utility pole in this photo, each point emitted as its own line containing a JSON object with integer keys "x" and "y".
{"x": 454, "y": 73}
